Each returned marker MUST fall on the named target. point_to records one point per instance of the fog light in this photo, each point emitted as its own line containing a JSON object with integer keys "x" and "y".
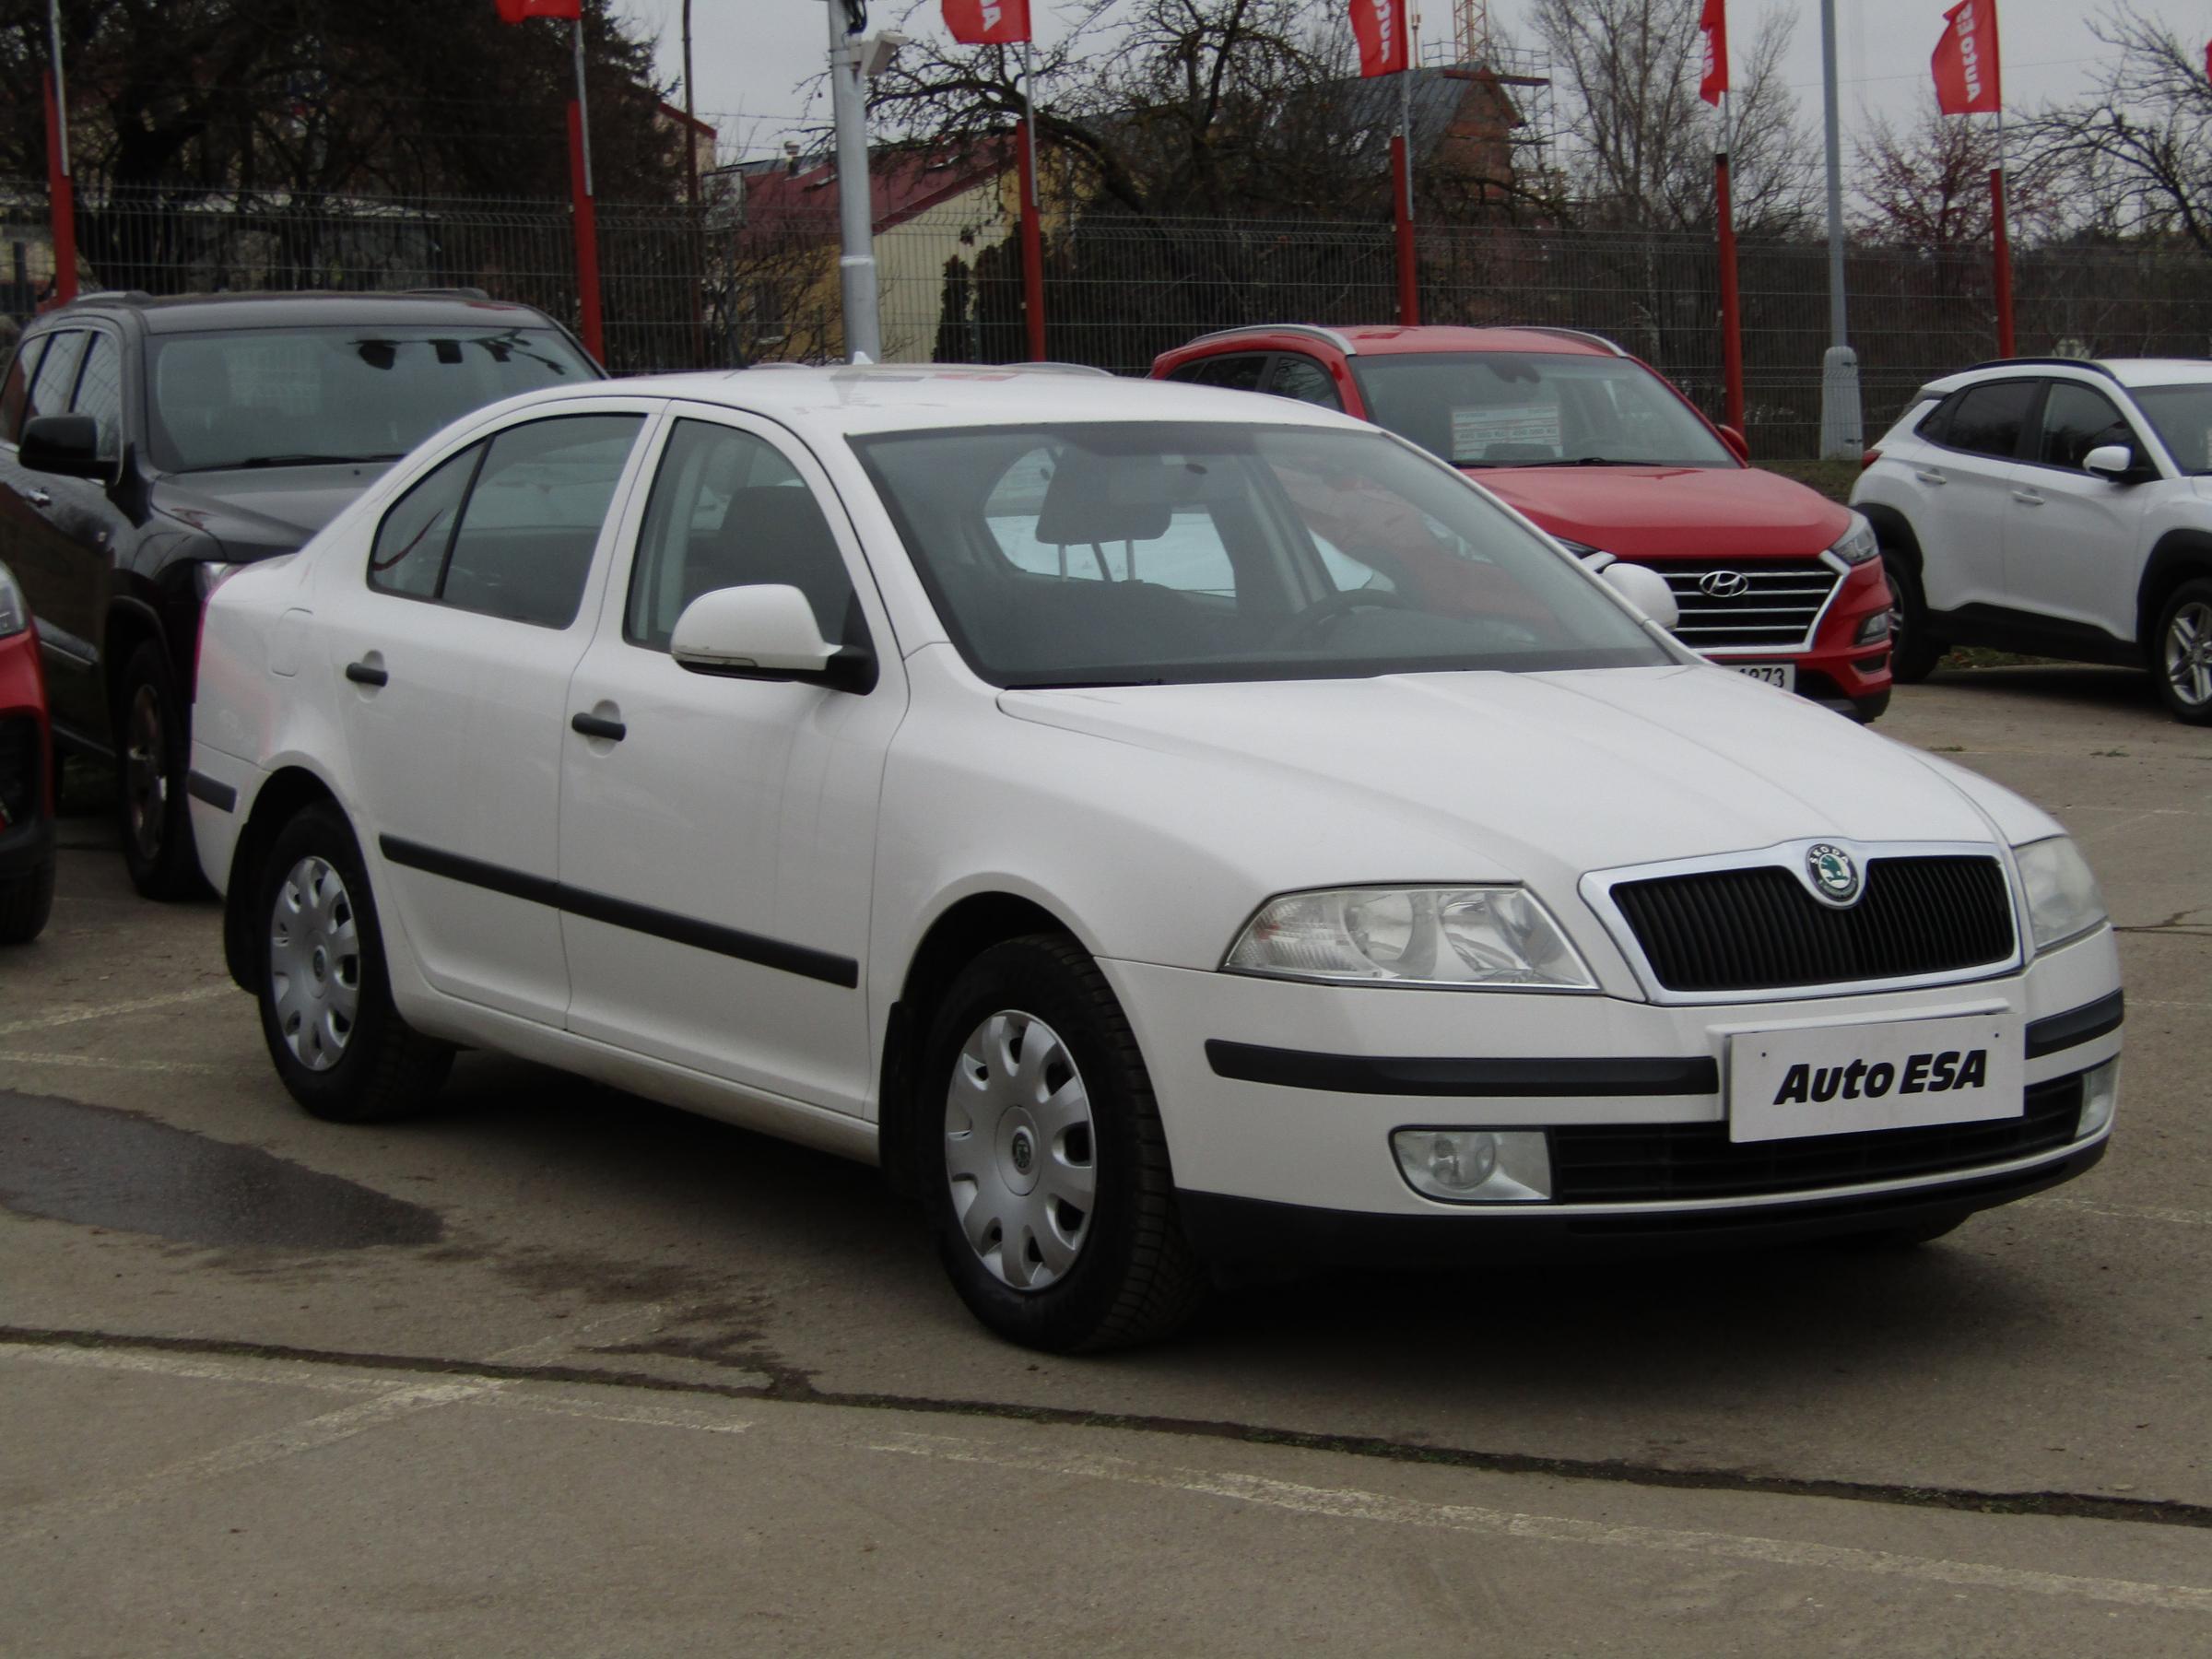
{"x": 1475, "y": 1165}
{"x": 1875, "y": 626}
{"x": 2099, "y": 1094}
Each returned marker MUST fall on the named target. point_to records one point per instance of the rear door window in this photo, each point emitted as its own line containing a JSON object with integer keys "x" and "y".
{"x": 1238, "y": 371}
{"x": 1987, "y": 419}
{"x": 1296, "y": 375}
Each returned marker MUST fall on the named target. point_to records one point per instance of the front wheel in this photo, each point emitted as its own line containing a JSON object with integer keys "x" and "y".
{"x": 1912, "y": 653}
{"x": 2182, "y": 658}
{"x": 1047, "y": 1171}
{"x": 150, "y": 749}
{"x": 26, "y": 900}
{"x": 326, "y": 1013}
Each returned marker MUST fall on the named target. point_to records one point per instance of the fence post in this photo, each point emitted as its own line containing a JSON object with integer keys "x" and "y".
{"x": 1732, "y": 320}
{"x": 1033, "y": 243}
{"x": 61, "y": 200}
{"x": 587, "y": 239}
{"x": 2000, "y": 247}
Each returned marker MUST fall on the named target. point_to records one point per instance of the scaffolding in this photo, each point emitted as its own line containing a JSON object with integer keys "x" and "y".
{"x": 1525, "y": 73}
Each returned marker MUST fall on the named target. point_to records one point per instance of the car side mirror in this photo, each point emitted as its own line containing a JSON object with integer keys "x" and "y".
{"x": 1734, "y": 438}
{"x": 2117, "y": 463}
{"x": 66, "y": 444}
{"x": 765, "y": 632}
{"x": 1645, "y": 589}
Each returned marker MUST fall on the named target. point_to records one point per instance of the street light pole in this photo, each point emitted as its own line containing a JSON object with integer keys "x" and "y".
{"x": 1842, "y": 431}
{"x": 855, "y": 194}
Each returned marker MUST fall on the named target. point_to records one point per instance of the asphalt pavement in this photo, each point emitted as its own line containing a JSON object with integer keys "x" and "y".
{"x": 554, "y": 1369}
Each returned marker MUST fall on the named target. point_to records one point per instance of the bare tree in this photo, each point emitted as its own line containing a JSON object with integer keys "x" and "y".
{"x": 1924, "y": 188}
{"x": 2138, "y": 152}
{"x": 1641, "y": 143}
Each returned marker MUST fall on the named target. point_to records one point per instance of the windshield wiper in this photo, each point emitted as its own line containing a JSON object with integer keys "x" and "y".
{"x": 293, "y": 460}
{"x": 1584, "y": 460}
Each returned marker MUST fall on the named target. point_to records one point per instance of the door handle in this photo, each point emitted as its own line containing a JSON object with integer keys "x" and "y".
{"x": 2027, "y": 497}
{"x": 38, "y": 498}
{"x": 1927, "y": 477}
{"x": 362, "y": 674}
{"x": 596, "y": 725}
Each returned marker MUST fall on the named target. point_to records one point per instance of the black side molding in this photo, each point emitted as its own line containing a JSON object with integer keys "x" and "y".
{"x": 801, "y": 959}
{"x": 1548, "y": 1078}
{"x": 2047, "y": 1036}
{"x": 201, "y": 787}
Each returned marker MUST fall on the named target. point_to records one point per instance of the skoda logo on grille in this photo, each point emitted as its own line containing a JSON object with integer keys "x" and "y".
{"x": 1835, "y": 878}
{"x": 1724, "y": 584}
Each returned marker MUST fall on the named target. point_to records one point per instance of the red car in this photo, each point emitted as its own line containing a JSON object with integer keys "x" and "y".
{"x": 26, "y": 775}
{"x": 1772, "y": 579}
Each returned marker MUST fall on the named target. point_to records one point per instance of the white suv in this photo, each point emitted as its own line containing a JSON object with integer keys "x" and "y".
{"x": 1158, "y": 824}
{"x": 2054, "y": 506}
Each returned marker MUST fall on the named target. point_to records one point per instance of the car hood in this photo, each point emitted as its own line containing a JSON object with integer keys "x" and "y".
{"x": 1672, "y": 512}
{"x": 263, "y": 511}
{"x": 1538, "y": 777}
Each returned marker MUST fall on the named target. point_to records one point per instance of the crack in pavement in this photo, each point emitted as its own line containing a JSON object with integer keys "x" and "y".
{"x": 792, "y": 1385}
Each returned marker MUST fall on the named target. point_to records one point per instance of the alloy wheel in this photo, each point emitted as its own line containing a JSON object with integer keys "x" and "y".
{"x": 146, "y": 772}
{"x": 315, "y": 964}
{"x": 1020, "y": 1151}
{"x": 2189, "y": 654}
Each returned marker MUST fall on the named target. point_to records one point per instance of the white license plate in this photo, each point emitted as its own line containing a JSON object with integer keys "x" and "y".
{"x": 1774, "y": 673}
{"x": 1848, "y": 1079}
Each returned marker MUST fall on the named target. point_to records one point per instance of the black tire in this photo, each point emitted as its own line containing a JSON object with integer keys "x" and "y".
{"x": 2182, "y": 663}
{"x": 26, "y": 900}
{"x": 1913, "y": 652}
{"x": 379, "y": 1068}
{"x": 1134, "y": 1277}
{"x": 152, "y": 748}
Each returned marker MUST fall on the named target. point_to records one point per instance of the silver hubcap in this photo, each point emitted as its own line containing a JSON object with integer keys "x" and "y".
{"x": 2189, "y": 654}
{"x": 1018, "y": 1150}
{"x": 144, "y": 779}
{"x": 1897, "y": 614}
{"x": 315, "y": 964}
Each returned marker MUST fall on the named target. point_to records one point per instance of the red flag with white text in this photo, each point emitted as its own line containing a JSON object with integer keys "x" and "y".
{"x": 988, "y": 22}
{"x": 1379, "y": 27}
{"x": 516, "y": 11}
{"x": 1966, "y": 65}
{"x": 1713, "y": 20}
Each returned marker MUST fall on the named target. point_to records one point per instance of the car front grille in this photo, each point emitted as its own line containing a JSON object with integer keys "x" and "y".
{"x": 1780, "y": 601}
{"x": 1592, "y": 1163}
{"x": 1758, "y": 929}
{"x": 23, "y": 770}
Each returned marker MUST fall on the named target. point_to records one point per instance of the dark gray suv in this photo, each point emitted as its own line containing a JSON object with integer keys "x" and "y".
{"x": 148, "y": 446}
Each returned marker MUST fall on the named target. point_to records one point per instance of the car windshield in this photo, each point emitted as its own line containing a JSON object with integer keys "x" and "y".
{"x": 2183, "y": 417}
{"x": 1144, "y": 553}
{"x": 1516, "y": 408}
{"x": 293, "y": 396}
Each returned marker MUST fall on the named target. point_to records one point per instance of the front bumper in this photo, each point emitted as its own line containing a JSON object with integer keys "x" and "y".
{"x": 1310, "y": 1130}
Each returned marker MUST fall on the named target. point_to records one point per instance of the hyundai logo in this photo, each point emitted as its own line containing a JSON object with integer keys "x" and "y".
{"x": 1724, "y": 584}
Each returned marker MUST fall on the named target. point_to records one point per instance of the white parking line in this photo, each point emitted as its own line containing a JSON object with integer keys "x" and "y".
{"x": 2126, "y": 1212}
{"x": 74, "y": 1016}
{"x": 100, "y": 1063}
{"x": 1343, "y": 1503}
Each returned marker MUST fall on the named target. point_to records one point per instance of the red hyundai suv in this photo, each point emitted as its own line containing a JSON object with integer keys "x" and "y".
{"x": 1772, "y": 579}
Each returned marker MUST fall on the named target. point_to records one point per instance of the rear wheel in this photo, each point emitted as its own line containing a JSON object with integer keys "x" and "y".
{"x": 1913, "y": 652}
{"x": 1047, "y": 1172}
{"x": 327, "y": 1012}
{"x": 26, "y": 900}
{"x": 150, "y": 749}
{"x": 2182, "y": 660}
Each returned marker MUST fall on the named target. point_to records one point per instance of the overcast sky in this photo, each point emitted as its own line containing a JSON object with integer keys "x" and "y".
{"x": 752, "y": 55}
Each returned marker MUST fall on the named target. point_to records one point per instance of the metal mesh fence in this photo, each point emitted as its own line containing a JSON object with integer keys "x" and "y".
{"x": 731, "y": 287}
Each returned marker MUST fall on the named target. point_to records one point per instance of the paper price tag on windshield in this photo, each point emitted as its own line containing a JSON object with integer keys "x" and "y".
{"x": 1536, "y": 426}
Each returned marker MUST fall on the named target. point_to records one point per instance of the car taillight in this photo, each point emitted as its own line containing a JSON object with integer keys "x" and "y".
{"x": 1868, "y": 459}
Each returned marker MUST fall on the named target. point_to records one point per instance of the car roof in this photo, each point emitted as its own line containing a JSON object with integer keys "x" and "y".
{"x": 190, "y": 313}
{"x": 1384, "y": 340}
{"x": 884, "y": 397}
{"x": 2125, "y": 372}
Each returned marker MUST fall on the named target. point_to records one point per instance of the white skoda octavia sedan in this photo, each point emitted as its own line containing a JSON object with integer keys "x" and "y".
{"x": 1163, "y": 827}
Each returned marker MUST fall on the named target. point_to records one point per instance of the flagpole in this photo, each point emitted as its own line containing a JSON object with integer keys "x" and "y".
{"x": 1732, "y": 333}
{"x": 2000, "y": 242}
{"x": 587, "y": 222}
{"x": 61, "y": 192}
{"x": 1032, "y": 231}
{"x": 1409, "y": 286}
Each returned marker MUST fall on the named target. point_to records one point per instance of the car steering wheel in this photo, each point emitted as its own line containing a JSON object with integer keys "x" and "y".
{"x": 1320, "y": 616}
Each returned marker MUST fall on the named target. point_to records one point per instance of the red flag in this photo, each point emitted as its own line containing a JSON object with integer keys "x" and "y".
{"x": 988, "y": 22}
{"x": 1966, "y": 61}
{"x": 1379, "y": 26}
{"x": 515, "y": 11}
{"x": 1713, "y": 20}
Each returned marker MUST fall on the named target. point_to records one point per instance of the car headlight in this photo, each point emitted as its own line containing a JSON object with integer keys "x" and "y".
{"x": 1859, "y": 543}
{"x": 1458, "y": 937}
{"x": 15, "y": 610}
{"x": 2063, "y": 900}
